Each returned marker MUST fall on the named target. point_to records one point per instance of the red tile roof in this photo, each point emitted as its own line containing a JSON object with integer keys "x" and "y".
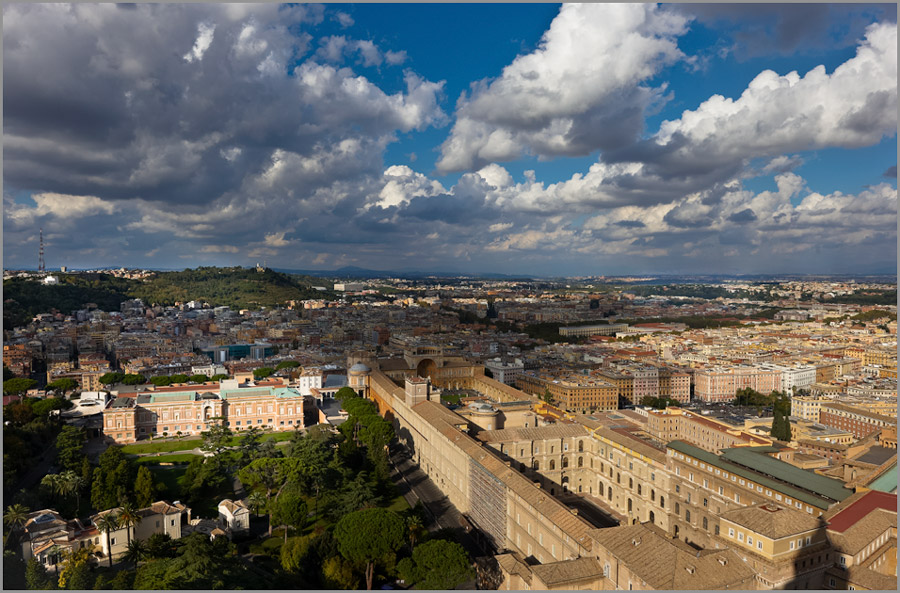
{"x": 869, "y": 502}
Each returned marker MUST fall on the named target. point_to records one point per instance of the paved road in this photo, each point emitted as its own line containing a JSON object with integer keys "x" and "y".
{"x": 415, "y": 485}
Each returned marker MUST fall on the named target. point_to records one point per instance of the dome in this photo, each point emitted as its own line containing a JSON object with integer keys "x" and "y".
{"x": 359, "y": 369}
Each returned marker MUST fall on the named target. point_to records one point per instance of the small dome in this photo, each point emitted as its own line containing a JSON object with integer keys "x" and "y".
{"x": 359, "y": 369}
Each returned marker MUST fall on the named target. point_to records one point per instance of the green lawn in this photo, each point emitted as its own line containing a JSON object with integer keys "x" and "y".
{"x": 452, "y": 398}
{"x": 188, "y": 444}
{"x": 398, "y": 505}
{"x": 177, "y": 458}
{"x": 162, "y": 446}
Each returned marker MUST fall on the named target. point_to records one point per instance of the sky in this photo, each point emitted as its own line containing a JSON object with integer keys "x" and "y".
{"x": 534, "y": 139}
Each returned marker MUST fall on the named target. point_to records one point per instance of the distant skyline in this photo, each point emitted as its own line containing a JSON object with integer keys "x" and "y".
{"x": 542, "y": 139}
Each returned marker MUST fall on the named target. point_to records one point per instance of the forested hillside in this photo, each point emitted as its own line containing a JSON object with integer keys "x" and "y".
{"x": 236, "y": 287}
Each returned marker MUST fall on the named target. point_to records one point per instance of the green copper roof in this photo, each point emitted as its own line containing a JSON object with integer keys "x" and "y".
{"x": 744, "y": 472}
{"x": 886, "y": 482}
{"x": 756, "y": 459}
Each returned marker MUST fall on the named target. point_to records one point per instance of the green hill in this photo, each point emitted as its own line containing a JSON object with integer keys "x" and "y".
{"x": 239, "y": 288}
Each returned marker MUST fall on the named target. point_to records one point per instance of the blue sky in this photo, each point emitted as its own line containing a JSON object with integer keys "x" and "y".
{"x": 539, "y": 139}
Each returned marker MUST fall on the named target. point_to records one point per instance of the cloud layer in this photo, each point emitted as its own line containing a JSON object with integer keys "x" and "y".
{"x": 180, "y": 135}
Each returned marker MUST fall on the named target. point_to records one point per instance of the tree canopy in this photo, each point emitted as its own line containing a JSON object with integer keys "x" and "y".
{"x": 18, "y": 385}
{"x": 436, "y": 564}
{"x": 369, "y": 537}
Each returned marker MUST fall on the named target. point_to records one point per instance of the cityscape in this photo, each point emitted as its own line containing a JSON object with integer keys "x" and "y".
{"x": 451, "y": 296}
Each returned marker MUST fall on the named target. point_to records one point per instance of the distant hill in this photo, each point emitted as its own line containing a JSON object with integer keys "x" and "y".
{"x": 353, "y": 272}
{"x": 239, "y": 288}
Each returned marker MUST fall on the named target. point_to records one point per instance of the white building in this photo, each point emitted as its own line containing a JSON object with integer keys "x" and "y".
{"x": 793, "y": 376}
{"x": 210, "y": 370}
{"x": 310, "y": 379}
{"x": 349, "y": 286}
{"x": 234, "y": 515}
{"x": 505, "y": 371}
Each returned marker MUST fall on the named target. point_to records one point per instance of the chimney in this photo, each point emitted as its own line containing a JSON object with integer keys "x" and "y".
{"x": 538, "y": 484}
{"x": 574, "y": 511}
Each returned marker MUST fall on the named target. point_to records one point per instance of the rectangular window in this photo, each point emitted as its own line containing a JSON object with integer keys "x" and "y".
{"x": 741, "y": 536}
{"x": 759, "y": 544}
{"x": 112, "y": 541}
{"x": 749, "y": 541}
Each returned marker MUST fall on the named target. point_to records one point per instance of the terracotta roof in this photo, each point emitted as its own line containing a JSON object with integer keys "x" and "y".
{"x": 860, "y": 507}
{"x": 555, "y": 512}
{"x": 860, "y": 534}
{"x": 859, "y": 411}
{"x": 392, "y": 364}
{"x": 665, "y": 563}
{"x": 555, "y": 431}
{"x": 625, "y": 438}
{"x": 864, "y": 577}
{"x": 511, "y": 564}
{"x": 233, "y": 507}
{"x": 568, "y": 571}
{"x": 772, "y": 520}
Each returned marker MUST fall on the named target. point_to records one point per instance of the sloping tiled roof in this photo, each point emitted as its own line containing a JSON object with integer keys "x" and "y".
{"x": 665, "y": 563}
{"x": 864, "y": 577}
{"x": 860, "y": 534}
{"x": 772, "y": 520}
{"x": 556, "y": 513}
{"x": 860, "y": 507}
{"x": 232, "y": 506}
{"x": 568, "y": 571}
{"x": 554, "y": 431}
{"x": 510, "y": 564}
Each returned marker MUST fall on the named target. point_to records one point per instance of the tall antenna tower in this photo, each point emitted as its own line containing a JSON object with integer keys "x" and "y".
{"x": 41, "y": 254}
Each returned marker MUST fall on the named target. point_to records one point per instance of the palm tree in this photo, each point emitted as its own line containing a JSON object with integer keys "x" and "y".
{"x": 15, "y": 517}
{"x": 128, "y": 517}
{"x": 72, "y": 483}
{"x": 414, "y": 524}
{"x": 54, "y": 482}
{"x": 106, "y": 523}
{"x": 256, "y": 499}
{"x": 137, "y": 551}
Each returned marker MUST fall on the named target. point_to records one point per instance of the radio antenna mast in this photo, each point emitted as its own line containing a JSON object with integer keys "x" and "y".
{"x": 41, "y": 253}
